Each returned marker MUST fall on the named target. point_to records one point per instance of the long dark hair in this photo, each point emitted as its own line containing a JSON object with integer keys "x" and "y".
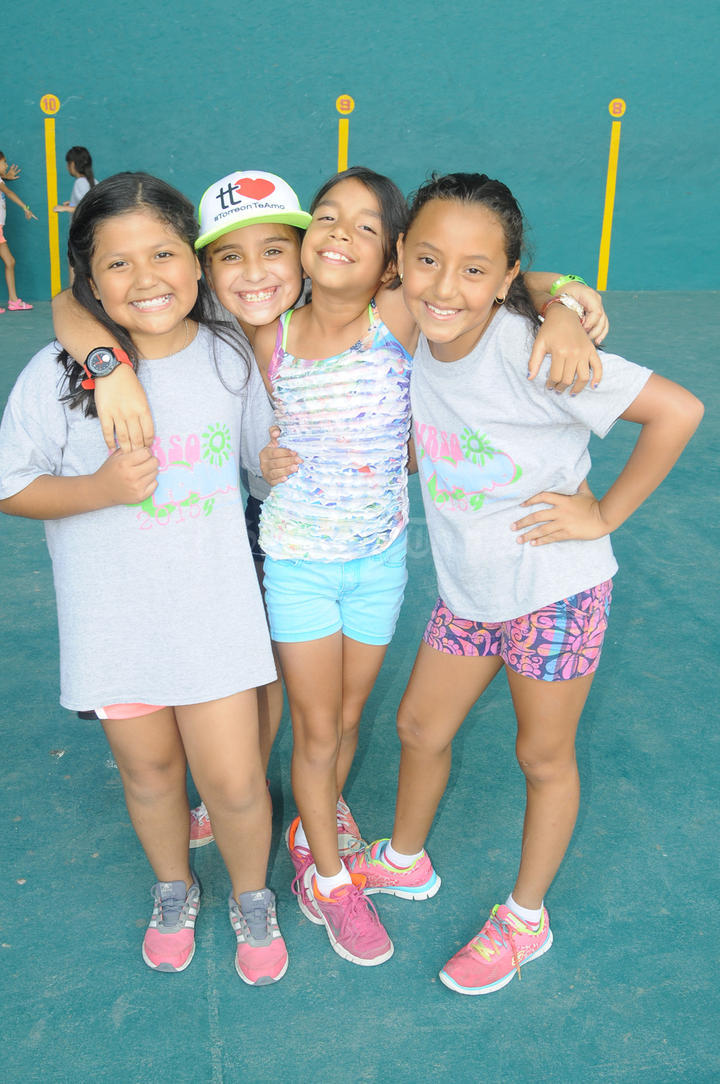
{"x": 497, "y": 197}
{"x": 393, "y": 207}
{"x": 80, "y": 158}
{"x": 117, "y": 195}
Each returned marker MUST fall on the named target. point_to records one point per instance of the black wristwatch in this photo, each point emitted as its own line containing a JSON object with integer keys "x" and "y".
{"x": 101, "y": 362}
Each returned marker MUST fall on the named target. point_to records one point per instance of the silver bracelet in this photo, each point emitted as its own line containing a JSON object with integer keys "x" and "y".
{"x": 571, "y": 303}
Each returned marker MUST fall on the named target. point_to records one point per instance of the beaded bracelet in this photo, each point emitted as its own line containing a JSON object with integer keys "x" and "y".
{"x": 559, "y": 283}
{"x": 567, "y": 301}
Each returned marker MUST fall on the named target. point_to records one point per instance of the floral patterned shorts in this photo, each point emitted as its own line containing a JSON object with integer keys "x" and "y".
{"x": 559, "y": 642}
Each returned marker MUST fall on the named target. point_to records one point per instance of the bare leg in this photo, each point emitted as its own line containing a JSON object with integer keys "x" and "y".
{"x": 441, "y": 691}
{"x": 9, "y": 260}
{"x": 360, "y": 667}
{"x": 270, "y": 707}
{"x": 313, "y": 678}
{"x": 548, "y": 714}
{"x": 150, "y": 757}
{"x": 222, "y": 744}
{"x": 269, "y": 697}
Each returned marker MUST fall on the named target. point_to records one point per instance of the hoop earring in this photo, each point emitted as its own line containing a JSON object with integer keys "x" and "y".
{"x": 499, "y": 300}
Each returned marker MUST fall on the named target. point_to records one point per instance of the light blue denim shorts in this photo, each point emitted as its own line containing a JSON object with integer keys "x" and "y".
{"x": 307, "y": 600}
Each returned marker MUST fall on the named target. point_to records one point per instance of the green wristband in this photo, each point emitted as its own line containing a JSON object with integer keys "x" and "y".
{"x": 559, "y": 283}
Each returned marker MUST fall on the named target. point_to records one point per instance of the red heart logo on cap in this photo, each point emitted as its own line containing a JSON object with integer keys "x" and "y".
{"x": 254, "y": 187}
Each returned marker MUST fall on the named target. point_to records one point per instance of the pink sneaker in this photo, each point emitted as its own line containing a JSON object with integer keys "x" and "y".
{"x": 169, "y": 942}
{"x": 302, "y": 860}
{"x": 349, "y": 838}
{"x": 355, "y": 931}
{"x": 17, "y": 306}
{"x": 201, "y": 831}
{"x": 491, "y": 959}
{"x": 418, "y": 882}
{"x": 261, "y": 956}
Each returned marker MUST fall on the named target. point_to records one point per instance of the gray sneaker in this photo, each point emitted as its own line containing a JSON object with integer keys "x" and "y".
{"x": 261, "y": 956}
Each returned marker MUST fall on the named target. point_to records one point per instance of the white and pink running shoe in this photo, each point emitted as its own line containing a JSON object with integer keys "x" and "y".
{"x": 261, "y": 957}
{"x": 201, "y": 831}
{"x": 352, "y": 923}
{"x": 169, "y": 942}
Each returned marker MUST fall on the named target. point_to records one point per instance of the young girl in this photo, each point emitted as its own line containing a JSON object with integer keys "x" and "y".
{"x": 79, "y": 165}
{"x": 491, "y": 445}
{"x": 334, "y": 534}
{"x": 251, "y": 227}
{"x": 7, "y": 172}
{"x": 168, "y": 644}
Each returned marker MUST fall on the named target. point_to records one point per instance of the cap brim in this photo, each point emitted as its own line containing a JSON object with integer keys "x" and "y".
{"x": 301, "y": 219}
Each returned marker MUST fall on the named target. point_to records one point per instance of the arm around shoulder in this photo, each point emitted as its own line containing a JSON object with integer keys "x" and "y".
{"x": 120, "y": 399}
{"x": 396, "y": 316}
{"x": 263, "y": 347}
{"x": 76, "y": 329}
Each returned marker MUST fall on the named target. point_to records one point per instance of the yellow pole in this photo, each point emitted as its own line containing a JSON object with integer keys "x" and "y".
{"x": 50, "y": 105}
{"x": 344, "y": 105}
{"x": 343, "y": 137}
{"x": 617, "y": 109}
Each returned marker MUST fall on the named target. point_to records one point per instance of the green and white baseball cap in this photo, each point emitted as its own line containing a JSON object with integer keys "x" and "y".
{"x": 243, "y": 199}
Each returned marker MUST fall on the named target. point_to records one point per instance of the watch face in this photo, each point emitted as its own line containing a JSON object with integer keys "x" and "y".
{"x": 101, "y": 362}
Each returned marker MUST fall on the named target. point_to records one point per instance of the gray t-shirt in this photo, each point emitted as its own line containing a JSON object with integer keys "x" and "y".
{"x": 488, "y": 438}
{"x": 79, "y": 189}
{"x": 158, "y": 603}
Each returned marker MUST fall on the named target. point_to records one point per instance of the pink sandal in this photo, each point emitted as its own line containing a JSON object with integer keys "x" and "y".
{"x": 19, "y": 305}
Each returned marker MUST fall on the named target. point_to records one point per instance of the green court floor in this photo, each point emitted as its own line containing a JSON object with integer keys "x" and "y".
{"x": 629, "y": 992}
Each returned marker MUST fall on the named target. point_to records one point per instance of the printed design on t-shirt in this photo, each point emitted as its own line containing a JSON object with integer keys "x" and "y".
{"x": 461, "y": 472}
{"x": 194, "y": 472}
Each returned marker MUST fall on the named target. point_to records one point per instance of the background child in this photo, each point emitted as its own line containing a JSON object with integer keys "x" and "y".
{"x": 79, "y": 165}
{"x": 338, "y": 370}
{"x": 9, "y": 173}
{"x": 159, "y": 528}
{"x": 489, "y": 446}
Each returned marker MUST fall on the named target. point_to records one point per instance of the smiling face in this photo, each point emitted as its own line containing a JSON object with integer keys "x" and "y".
{"x": 145, "y": 276}
{"x": 255, "y": 271}
{"x": 454, "y": 265}
{"x": 343, "y": 247}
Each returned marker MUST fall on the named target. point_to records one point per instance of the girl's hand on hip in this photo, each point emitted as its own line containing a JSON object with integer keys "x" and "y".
{"x": 577, "y": 516}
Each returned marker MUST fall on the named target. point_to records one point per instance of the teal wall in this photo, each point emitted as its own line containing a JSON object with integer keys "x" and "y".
{"x": 191, "y": 91}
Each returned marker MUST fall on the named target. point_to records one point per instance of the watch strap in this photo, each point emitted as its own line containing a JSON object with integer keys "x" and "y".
{"x": 117, "y": 352}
